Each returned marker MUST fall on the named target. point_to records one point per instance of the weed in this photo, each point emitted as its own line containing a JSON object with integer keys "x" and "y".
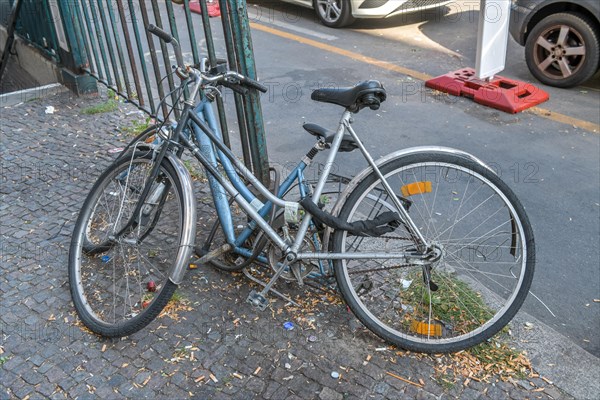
{"x": 111, "y": 104}
{"x": 136, "y": 127}
{"x": 445, "y": 380}
{"x": 227, "y": 380}
{"x": 196, "y": 173}
{"x": 177, "y": 297}
{"x": 459, "y": 309}
{"x": 4, "y": 359}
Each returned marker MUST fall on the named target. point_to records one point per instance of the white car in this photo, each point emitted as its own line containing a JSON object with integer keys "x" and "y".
{"x": 339, "y": 13}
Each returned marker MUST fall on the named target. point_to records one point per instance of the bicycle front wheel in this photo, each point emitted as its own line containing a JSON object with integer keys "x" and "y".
{"x": 120, "y": 284}
{"x": 483, "y": 245}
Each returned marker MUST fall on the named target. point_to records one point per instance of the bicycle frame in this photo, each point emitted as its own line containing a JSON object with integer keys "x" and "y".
{"x": 211, "y": 150}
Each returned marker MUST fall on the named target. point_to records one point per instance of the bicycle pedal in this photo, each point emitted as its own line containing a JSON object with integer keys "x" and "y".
{"x": 257, "y": 300}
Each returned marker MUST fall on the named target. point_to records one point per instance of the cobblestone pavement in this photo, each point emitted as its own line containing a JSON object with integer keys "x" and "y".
{"x": 218, "y": 347}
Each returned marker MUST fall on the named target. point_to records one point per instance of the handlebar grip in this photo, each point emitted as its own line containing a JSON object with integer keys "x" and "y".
{"x": 160, "y": 33}
{"x": 236, "y": 88}
{"x": 253, "y": 84}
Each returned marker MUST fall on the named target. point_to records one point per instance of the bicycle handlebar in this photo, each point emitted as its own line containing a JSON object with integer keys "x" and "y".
{"x": 235, "y": 87}
{"x": 253, "y": 84}
{"x": 183, "y": 71}
{"x": 167, "y": 38}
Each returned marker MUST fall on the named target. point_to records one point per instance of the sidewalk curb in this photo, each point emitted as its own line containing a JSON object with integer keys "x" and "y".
{"x": 558, "y": 358}
{"x": 22, "y": 96}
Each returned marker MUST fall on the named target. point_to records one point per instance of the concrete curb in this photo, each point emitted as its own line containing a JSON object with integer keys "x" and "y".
{"x": 22, "y": 96}
{"x": 558, "y": 358}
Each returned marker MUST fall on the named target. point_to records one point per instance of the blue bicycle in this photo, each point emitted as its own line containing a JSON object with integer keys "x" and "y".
{"x": 430, "y": 249}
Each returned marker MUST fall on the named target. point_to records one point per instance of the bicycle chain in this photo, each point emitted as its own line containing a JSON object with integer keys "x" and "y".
{"x": 362, "y": 271}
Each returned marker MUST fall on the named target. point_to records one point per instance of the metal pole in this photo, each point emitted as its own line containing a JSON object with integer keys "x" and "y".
{"x": 253, "y": 110}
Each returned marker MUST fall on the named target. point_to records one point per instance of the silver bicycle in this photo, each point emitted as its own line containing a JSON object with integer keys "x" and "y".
{"x": 430, "y": 249}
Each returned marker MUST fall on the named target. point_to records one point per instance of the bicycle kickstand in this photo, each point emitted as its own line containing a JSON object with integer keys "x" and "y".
{"x": 259, "y": 299}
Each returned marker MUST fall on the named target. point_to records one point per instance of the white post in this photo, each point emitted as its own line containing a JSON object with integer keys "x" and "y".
{"x": 492, "y": 37}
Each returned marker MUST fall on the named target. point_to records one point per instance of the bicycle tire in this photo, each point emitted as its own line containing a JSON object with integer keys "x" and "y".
{"x": 486, "y": 264}
{"x": 141, "y": 262}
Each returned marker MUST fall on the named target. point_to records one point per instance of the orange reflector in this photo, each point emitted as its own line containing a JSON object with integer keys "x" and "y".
{"x": 150, "y": 139}
{"x": 416, "y": 188}
{"x": 425, "y": 329}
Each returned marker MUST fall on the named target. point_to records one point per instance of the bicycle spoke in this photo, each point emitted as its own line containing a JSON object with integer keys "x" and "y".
{"x": 454, "y": 296}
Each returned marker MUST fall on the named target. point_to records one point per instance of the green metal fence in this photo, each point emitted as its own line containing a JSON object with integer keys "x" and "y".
{"x": 35, "y": 24}
{"x": 112, "y": 45}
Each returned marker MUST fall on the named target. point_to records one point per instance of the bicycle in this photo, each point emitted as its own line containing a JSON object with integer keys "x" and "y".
{"x": 430, "y": 249}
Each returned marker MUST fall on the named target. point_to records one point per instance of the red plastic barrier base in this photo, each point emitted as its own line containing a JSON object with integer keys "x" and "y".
{"x": 213, "y": 8}
{"x": 501, "y": 93}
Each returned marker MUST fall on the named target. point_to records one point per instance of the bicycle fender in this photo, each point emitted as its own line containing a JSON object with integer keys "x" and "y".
{"x": 387, "y": 158}
{"x": 188, "y": 235}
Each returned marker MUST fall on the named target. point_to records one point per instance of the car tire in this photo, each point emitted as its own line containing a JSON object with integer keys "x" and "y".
{"x": 568, "y": 63}
{"x": 334, "y": 13}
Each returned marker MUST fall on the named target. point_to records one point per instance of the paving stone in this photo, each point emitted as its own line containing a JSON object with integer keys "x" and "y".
{"x": 255, "y": 385}
{"x": 553, "y": 392}
{"x": 330, "y": 394}
{"x": 381, "y": 388}
{"x": 32, "y": 377}
{"x": 55, "y": 374}
{"x": 22, "y": 389}
{"x": 271, "y": 389}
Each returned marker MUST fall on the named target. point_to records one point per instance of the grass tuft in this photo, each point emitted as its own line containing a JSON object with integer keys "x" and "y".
{"x": 137, "y": 127}
{"x": 110, "y": 105}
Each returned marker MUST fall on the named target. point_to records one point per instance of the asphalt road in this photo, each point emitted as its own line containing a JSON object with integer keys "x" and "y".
{"x": 553, "y": 167}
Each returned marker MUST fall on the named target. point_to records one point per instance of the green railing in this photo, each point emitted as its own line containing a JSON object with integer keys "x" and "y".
{"x": 112, "y": 45}
{"x": 35, "y": 24}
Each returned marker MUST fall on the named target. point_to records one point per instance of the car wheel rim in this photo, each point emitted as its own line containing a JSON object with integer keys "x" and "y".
{"x": 330, "y": 10}
{"x": 559, "y": 52}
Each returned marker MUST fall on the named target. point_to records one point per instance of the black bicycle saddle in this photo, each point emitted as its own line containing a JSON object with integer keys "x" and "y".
{"x": 365, "y": 94}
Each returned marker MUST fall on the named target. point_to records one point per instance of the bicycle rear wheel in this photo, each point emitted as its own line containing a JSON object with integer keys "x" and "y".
{"x": 481, "y": 273}
{"x": 120, "y": 285}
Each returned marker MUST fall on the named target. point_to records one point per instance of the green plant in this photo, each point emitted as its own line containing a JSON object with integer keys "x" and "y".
{"x": 111, "y": 104}
{"x": 464, "y": 317}
{"x": 445, "y": 380}
{"x": 194, "y": 171}
{"x": 135, "y": 128}
{"x": 4, "y": 359}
